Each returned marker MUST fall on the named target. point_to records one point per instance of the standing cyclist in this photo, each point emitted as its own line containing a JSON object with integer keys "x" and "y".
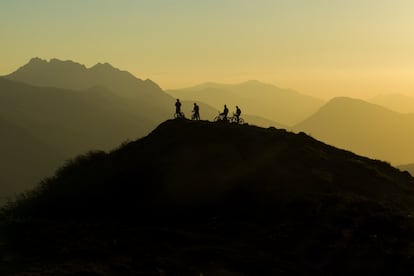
{"x": 237, "y": 114}
{"x": 178, "y": 109}
{"x": 225, "y": 112}
{"x": 196, "y": 112}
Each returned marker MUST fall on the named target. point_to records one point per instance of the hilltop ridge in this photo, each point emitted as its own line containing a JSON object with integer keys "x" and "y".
{"x": 281, "y": 105}
{"x": 196, "y": 197}
{"x": 200, "y": 162}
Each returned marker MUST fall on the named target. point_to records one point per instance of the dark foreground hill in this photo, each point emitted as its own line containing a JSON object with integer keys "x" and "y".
{"x": 206, "y": 198}
{"x": 407, "y": 167}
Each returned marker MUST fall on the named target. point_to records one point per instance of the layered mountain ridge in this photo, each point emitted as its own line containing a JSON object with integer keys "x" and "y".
{"x": 73, "y": 75}
{"x": 71, "y": 109}
{"x": 285, "y": 106}
{"x": 364, "y": 128}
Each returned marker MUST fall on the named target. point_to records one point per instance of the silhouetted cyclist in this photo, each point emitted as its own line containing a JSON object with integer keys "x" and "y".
{"x": 237, "y": 114}
{"x": 178, "y": 108}
{"x": 196, "y": 112}
{"x": 225, "y": 112}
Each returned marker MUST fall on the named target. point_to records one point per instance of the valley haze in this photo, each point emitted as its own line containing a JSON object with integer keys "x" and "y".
{"x": 102, "y": 174}
{"x": 60, "y": 109}
{"x": 94, "y": 154}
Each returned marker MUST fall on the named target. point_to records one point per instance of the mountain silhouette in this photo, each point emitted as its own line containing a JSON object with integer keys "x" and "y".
{"x": 71, "y": 121}
{"x": 363, "y": 128}
{"x": 146, "y": 96}
{"x": 287, "y": 107}
{"x": 70, "y": 109}
{"x": 74, "y": 76}
{"x": 50, "y": 125}
{"x": 147, "y": 100}
{"x": 212, "y": 198}
{"x": 407, "y": 167}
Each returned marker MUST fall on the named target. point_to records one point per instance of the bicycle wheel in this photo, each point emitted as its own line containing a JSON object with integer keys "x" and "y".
{"x": 241, "y": 121}
{"x": 179, "y": 115}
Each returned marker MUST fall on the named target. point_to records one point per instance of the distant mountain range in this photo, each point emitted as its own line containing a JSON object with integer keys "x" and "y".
{"x": 62, "y": 124}
{"x": 285, "y": 106}
{"x": 65, "y": 109}
{"x": 149, "y": 100}
{"x": 75, "y": 76}
{"x": 144, "y": 97}
{"x": 364, "y": 128}
{"x": 69, "y": 109}
{"x": 71, "y": 121}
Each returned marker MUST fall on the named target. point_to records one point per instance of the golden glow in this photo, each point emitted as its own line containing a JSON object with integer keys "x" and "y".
{"x": 321, "y": 48}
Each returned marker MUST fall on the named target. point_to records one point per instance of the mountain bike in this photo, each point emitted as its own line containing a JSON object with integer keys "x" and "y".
{"x": 179, "y": 115}
{"x": 195, "y": 116}
{"x": 221, "y": 118}
{"x": 234, "y": 120}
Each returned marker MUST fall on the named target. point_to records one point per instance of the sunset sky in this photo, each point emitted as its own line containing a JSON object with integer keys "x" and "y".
{"x": 324, "y": 48}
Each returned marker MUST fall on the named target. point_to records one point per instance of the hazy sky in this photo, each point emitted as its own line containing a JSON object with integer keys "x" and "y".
{"x": 319, "y": 47}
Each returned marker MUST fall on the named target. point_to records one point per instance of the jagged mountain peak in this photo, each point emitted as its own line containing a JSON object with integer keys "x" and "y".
{"x": 37, "y": 60}
{"x": 53, "y": 62}
{"x": 103, "y": 66}
{"x": 75, "y": 76}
